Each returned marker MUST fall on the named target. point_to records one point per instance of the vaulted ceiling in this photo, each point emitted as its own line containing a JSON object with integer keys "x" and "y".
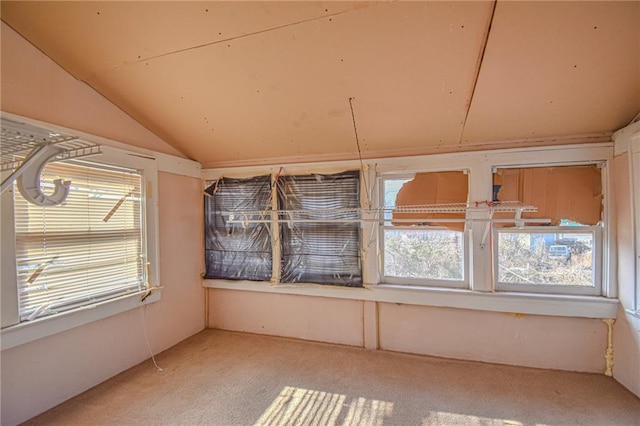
{"x": 249, "y": 82}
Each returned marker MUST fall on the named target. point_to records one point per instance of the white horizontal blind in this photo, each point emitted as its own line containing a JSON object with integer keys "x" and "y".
{"x": 88, "y": 249}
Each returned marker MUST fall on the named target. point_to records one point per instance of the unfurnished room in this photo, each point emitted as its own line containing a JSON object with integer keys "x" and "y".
{"x": 320, "y": 213}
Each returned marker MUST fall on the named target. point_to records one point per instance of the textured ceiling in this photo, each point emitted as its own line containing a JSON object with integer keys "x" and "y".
{"x": 246, "y": 82}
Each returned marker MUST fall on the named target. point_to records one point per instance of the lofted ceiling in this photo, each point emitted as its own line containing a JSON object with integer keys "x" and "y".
{"x": 255, "y": 82}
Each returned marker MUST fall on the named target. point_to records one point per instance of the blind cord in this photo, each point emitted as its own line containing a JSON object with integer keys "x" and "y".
{"x": 143, "y": 308}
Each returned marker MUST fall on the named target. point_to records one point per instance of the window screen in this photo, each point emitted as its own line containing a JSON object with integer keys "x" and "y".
{"x": 314, "y": 249}
{"x": 237, "y": 251}
{"x": 88, "y": 249}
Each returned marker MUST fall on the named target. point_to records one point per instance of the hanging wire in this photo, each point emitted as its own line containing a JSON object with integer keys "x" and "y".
{"x": 364, "y": 175}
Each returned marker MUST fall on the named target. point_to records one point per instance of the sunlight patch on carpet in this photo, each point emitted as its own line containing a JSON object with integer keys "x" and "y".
{"x": 445, "y": 418}
{"x": 297, "y": 406}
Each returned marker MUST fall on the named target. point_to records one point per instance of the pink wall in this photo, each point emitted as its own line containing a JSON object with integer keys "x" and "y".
{"x": 562, "y": 343}
{"x": 36, "y": 87}
{"x": 576, "y": 344}
{"x": 626, "y": 344}
{"x": 626, "y": 335}
{"x": 38, "y": 375}
{"x": 311, "y": 318}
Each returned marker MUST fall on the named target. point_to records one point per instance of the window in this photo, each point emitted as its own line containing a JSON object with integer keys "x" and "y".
{"x": 563, "y": 256}
{"x": 321, "y": 246}
{"x": 486, "y": 250}
{"x": 90, "y": 249}
{"x": 235, "y": 250}
{"x": 417, "y": 248}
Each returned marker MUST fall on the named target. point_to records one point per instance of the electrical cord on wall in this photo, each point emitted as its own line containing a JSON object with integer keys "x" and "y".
{"x": 143, "y": 308}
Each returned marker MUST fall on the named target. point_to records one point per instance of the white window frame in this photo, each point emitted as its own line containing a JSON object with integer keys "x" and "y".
{"x": 595, "y": 290}
{"x": 24, "y": 332}
{"x": 601, "y": 250}
{"x": 422, "y": 282}
{"x": 634, "y": 169}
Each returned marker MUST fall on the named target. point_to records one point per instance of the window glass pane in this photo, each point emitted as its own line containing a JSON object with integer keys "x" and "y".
{"x": 319, "y": 248}
{"x": 238, "y": 251}
{"x": 559, "y": 258}
{"x": 86, "y": 250}
{"x": 391, "y": 188}
{"x": 426, "y": 254}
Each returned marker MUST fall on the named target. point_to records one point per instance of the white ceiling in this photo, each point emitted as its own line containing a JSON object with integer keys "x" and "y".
{"x": 249, "y": 82}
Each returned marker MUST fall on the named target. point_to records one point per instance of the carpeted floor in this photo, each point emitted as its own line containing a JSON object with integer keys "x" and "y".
{"x": 226, "y": 378}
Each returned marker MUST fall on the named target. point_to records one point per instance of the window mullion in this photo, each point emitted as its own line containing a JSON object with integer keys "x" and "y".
{"x": 371, "y": 232}
{"x": 480, "y": 254}
{"x": 480, "y": 258}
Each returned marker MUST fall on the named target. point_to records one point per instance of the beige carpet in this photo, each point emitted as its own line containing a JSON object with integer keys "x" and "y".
{"x": 225, "y": 378}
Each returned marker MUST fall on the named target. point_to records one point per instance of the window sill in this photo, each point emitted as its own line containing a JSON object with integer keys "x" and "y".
{"x": 26, "y": 332}
{"x": 522, "y": 303}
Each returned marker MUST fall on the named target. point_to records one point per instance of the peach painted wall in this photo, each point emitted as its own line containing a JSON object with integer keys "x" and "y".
{"x": 34, "y": 86}
{"x": 39, "y": 375}
{"x": 626, "y": 345}
{"x": 303, "y": 317}
{"x": 626, "y": 334}
{"x": 576, "y": 344}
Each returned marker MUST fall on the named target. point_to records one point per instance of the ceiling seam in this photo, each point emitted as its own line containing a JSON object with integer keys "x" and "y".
{"x": 479, "y": 67}
{"x": 226, "y": 40}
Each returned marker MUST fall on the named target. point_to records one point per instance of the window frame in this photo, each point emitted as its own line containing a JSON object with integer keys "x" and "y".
{"x": 214, "y": 230}
{"x": 601, "y": 250}
{"x": 278, "y": 246}
{"x": 595, "y": 290}
{"x": 18, "y": 332}
{"x": 634, "y": 169}
{"x": 419, "y": 282}
{"x": 276, "y": 225}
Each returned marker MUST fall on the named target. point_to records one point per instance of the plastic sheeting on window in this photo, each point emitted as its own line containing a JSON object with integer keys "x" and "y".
{"x": 450, "y": 187}
{"x": 568, "y": 192}
{"x": 320, "y": 252}
{"x": 237, "y": 251}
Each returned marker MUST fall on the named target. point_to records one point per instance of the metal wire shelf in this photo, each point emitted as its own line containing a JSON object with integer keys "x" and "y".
{"x": 384, "y": 214}
{"x": 18, "y": 140}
